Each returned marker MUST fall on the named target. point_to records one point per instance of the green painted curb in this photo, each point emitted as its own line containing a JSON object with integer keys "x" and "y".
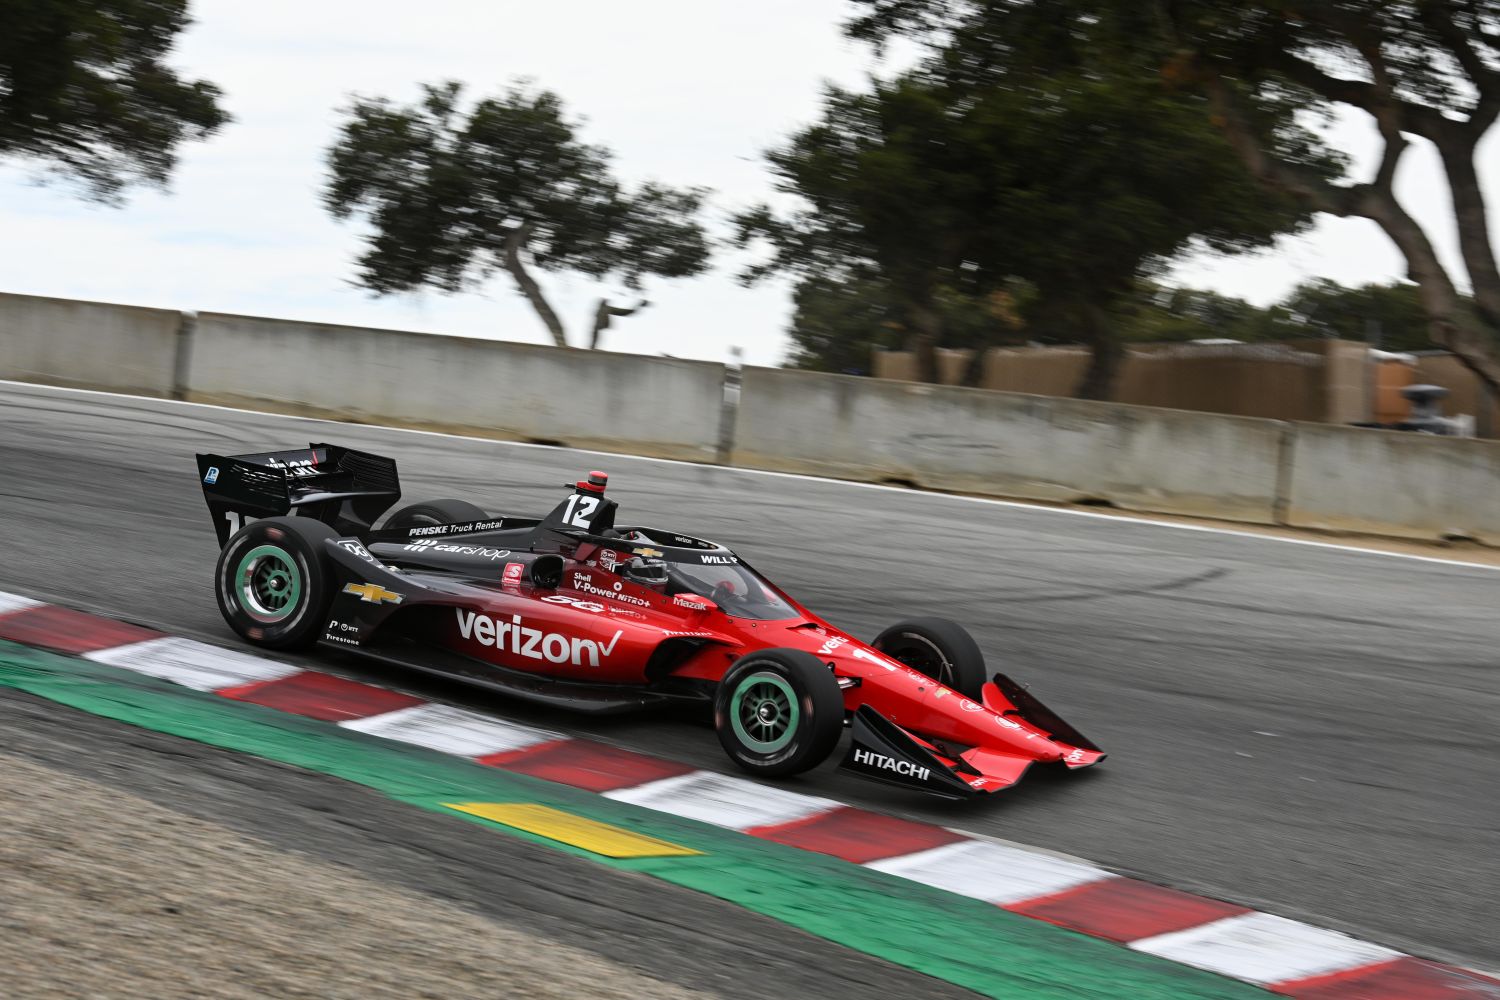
{"x": 953, "y": 938}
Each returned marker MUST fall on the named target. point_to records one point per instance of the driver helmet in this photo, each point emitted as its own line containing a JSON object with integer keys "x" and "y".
{"x": 646, "y": 572}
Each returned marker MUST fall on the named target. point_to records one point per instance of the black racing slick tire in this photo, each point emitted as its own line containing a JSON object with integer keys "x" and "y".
{"x": 274, "y": 581}
{"x": 779, "y": 712}
{"x": 941, "y": 649}
{"x": 428, "y": 512}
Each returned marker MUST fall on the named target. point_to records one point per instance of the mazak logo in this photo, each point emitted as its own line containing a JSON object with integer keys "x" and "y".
{"x": 518, "y": 639}
{"x": 881, "y": 762}
{"x": 432, "y": 545}
{"x": 372, "y": 593}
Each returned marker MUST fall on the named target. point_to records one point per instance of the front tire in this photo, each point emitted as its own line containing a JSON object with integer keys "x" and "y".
{"x": 939, "y": 648}
{"x": 778, "y": 712}
{"x": 274, "y": 582}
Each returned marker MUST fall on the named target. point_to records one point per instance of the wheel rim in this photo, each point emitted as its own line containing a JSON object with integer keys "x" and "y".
{"x": 268, "y": 584}
{"x": 921, "y": 653}
{"x": 764, "y": 712}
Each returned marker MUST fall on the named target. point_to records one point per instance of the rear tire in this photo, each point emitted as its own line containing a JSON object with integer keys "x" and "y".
{"x": 779, "y": 712}
{"x": 431, "y": 512}
{"x": 274, "y": 581}
{"x": 939, "y": 648}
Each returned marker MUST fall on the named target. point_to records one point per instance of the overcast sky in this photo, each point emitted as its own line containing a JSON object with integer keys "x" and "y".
{"x": 688, "y": 93}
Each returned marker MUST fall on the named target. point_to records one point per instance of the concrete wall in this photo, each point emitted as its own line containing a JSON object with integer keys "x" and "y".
{"x": 585, "y": 399}
{"x": 1003, "y": 444}
{"x": 1393, "y": 483}
{"x": 91, "y": 345}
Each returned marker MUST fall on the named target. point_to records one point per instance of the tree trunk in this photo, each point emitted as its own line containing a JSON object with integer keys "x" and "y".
{"x": 928, "y": 328}
{"x": 529, "y": 288}
{"x": 603, "y": 314}
{"x": 1105, "y": 356}
{"x": 1473, "y": 228}
{"x": 974, "y": 370}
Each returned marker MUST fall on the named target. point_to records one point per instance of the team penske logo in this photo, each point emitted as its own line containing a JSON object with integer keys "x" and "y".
{"x": 372, "y": 593}
{"x": 519, "y": 639}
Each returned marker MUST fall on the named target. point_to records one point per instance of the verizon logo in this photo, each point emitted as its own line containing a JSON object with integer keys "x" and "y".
{"x": 879, "y": 760}
{"x": 518, "y": 639}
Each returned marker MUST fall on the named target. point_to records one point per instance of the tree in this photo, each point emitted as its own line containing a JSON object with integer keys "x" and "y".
{"x": 85, "y": 91}
{"x": 453, "y": 196}
{"x": 1072, "y": 180}
{"x": 1428, "y": 69}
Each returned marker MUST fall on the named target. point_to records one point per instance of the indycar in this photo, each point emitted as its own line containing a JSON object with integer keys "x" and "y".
{"x": 572, "y": 609}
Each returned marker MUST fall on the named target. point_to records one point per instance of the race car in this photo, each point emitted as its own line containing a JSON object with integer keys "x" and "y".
{"x": 573, "y": 609}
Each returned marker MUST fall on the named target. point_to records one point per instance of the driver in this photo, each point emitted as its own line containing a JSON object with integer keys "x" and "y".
{"x": 647, "y": 572}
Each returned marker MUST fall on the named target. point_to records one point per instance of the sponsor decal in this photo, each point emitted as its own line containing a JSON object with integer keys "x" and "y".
{"x": 344, "y": 632}
{"x": 883, "y": 763}
{"x": 432, "y": 529}
{"x": 519, "y": 639}
{"x": 1074, "y": 755}
{"x": 672, "y": 632}
{"x": 429, "y": 545}
{"x": 513, "y": 572}
{"x": 212, "y": 475}
{"x": 608, "y": 560}
{"x": 969, "y": 706}
{"x": 860, "y": 654}
{"x": 300, "y": 467}
{"x": 574, "y": 602}
{"x": 649, "y": 553}
{"x": 834, "y": 643}
{"x": 583, "y": 583}
{"x": 373, "y": 593}
{"x": 354, "y": 547}
{"x": 691, "y": 601}
{"x": 719, "y": 560}
{"x": 691, "y": 543}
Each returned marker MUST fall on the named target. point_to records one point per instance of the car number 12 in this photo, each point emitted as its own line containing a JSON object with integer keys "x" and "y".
{"x": 584, "y": 515}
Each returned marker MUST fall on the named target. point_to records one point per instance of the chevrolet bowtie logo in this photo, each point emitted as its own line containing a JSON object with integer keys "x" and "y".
{"x": 372, "y": 593}
{"x": 649, "y": 553}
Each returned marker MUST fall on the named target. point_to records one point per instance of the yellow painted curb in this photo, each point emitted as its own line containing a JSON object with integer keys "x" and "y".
{"x": 577, "y": 831}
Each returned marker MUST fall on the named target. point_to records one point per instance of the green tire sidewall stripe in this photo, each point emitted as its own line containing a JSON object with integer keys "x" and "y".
{"x": 982, "y": 947}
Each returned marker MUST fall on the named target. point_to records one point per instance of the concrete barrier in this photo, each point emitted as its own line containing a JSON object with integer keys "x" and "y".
{"x": 585, "y": 399}
{"x": 90, "y": 345}
{"x": 1394, "y": 483}
{"x": 1008, "y": 444}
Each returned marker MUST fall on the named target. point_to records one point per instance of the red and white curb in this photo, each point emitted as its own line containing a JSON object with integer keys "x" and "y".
{"x": 1284, "y": 956}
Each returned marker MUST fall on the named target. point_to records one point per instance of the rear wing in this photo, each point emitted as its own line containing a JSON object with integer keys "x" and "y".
{"x": 341, "y": 487}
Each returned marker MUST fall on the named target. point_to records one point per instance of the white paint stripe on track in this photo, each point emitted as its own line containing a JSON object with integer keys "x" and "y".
{"x": 991, "y": 872}
{"x": 1262, "y": 948}
{"x": 15, "y": 602}
{"x": 193, "y": 664}
{"x": 451, "y": 730}
{"x": 734, "y": 803}
{"x": 992, "y": 501}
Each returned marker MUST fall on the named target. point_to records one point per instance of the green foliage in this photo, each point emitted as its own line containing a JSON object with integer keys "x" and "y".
{"x": 1074, "y": 182}
{"x": 444, "y": 189}
{"x": 84, "y": 89}
{"x": 836, "y": 326}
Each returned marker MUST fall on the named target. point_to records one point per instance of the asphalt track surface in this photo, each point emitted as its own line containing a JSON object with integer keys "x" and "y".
{"x": 1301, "y": 729}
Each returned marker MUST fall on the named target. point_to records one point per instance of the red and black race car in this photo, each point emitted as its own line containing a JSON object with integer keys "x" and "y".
{"x": 573, "y": 609}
